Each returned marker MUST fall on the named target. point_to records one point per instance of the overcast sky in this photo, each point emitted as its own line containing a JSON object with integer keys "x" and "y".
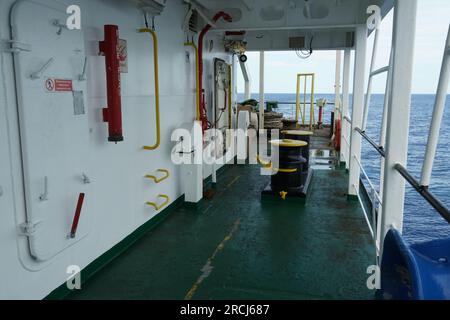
{"x": 432, "y": 25}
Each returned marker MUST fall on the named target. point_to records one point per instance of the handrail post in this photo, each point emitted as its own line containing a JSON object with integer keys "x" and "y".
{"x": 438, "y": 113}
{"x": 337, "y": 89}
{"x": 261, "y": 90}
{"x": 357, "y": 110}
{"x": 398, "y": 117}
{"x": 345, "y": 149}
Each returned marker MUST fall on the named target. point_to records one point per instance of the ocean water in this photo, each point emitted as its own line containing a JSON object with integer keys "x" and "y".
{"x": 421, "y": 221}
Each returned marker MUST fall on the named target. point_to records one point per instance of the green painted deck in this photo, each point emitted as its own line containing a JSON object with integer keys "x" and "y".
{"x": 234, "y": 246}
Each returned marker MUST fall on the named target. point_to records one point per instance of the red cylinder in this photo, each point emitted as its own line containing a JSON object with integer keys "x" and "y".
{"x": 320, "y": 116}
{"x": 113, "y": 112}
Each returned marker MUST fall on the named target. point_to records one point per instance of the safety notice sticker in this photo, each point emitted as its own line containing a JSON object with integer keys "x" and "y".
{"x": 58, "y": 85}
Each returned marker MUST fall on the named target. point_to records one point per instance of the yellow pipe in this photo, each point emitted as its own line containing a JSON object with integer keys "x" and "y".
{"x": 197, "y": 88}
{"x": 158, "y": 207}
{"x": 155, "y": 63}
{"x": 154, "y": 178}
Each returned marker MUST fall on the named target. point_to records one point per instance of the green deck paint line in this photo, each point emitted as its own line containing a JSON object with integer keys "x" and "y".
{"x": 320, "y": 250}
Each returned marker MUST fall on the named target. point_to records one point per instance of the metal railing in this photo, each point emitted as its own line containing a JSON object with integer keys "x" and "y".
{"x": 424, "y": 192}
{"x": 378, "y": 148}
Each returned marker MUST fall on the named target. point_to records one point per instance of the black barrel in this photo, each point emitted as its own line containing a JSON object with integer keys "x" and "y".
{"x": 289, "y": 176}
{"x": 301, "y": 136}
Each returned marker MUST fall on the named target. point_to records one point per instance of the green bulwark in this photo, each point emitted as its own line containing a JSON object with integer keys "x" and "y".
{"x": 233, "y": 246}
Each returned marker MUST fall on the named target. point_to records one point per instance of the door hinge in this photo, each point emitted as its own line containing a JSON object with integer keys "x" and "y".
{"x": 14, "y": 46}
{"x": 28, "y": 228}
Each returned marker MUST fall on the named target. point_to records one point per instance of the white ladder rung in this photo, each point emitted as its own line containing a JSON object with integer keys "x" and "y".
{"x": 378, "y": 71}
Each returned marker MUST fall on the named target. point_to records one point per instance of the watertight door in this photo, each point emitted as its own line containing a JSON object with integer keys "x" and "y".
{"x": 53, "y": 125}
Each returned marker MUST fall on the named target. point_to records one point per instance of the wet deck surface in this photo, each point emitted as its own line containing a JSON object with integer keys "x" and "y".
{"x": 234, "y": 246}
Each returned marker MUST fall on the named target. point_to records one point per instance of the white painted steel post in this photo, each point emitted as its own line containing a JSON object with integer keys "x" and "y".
{"x": 261, "y": 90}
{"x": 337, "y": 88}
{"x": 345, "y": 148}
{"x": 369, "y": 84}
{"x": 403, "y": 39}
{"x": 357, "y": 109}
{"x": 438, "y": 112}
{"x": 247, "y": 80}
{"x": 384, "y": 121}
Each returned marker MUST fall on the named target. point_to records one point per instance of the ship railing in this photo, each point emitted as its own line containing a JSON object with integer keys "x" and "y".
{"x": 373, "y": 219}
{"x": 292, "y": 107}
{"x": 424, "y": 192}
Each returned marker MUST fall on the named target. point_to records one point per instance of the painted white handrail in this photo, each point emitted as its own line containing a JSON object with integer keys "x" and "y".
{"x": 379, "y": 71}
{"x": 438, "y": 113}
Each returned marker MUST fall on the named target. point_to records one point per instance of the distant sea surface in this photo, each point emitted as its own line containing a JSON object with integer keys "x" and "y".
{"x": 421, "y": 221}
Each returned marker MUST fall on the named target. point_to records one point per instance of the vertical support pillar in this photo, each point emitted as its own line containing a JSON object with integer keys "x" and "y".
{"x": 345, "y": 148}
{"x": 337, "y": 88}
{"x": 357, "y": 109}
{"x": 404, "y": 30}
{"x": 261, "y": 90}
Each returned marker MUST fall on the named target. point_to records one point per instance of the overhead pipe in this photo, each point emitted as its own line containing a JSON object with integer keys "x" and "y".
{"x": 203, "y": 115}
{"x": 155, "y": 68}
{"x": 197, "y": 96}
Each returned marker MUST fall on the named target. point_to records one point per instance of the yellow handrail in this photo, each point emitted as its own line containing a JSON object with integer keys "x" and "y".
{"x": 264, "y": 164}
{"x": 154, "y": 178}
{"x": 286, "y": 170}
{"x": 158, "y": 207}
{"x": 298, "y": 111}
{"x": 268, "y": 165}
{"x": 197, "y": 88}
{"x": 155, "y": 64}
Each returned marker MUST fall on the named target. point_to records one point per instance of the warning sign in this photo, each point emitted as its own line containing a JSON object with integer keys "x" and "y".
{"x": 58, "y": 85}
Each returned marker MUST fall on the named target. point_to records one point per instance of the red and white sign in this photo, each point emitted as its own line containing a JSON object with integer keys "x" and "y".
{"x": 58, "y": 85}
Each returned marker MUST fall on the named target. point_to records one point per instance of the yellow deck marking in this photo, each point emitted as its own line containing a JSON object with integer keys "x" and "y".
{"x": 232, "y": 182}
{"x": 228, "y": 185}
{"x": 207, "y": 268}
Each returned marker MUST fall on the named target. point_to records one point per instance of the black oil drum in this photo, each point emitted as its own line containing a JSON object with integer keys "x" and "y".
{"x": 289, "y": 176}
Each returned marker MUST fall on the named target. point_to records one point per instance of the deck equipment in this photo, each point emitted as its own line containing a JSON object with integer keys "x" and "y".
{"x": 289, "y": 179}
{"x": 305, "y": 136}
